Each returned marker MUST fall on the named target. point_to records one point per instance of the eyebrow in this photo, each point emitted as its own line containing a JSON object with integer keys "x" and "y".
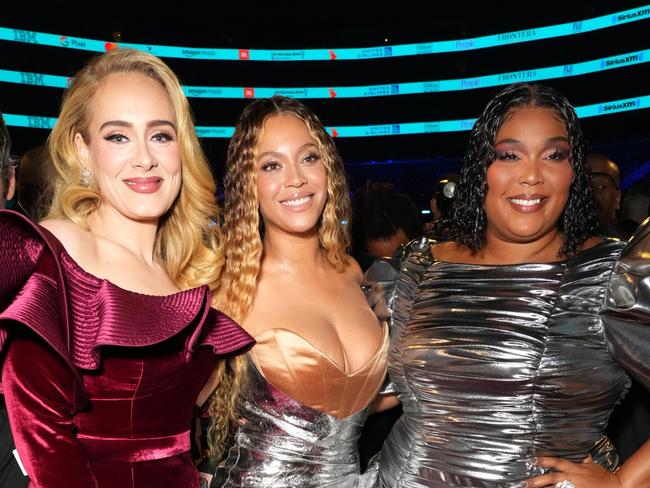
{"x": 277, "y": 154}
{"x": 517, "y": 142}
{"x": 124, "y": 123}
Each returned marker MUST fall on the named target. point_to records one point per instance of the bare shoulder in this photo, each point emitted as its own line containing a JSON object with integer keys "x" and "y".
{"x": 74, "y": 238}
{"x": 353, "y": 270}
{"x": 591, "y": 242}
{"x": 450, "y": 251}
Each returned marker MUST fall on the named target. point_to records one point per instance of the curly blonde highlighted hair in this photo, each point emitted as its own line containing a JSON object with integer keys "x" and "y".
{"x": 242, "y": 241}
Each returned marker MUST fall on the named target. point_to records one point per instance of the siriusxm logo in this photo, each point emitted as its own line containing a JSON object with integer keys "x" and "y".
{"x": 619, "y": 106}
{"x": 632, "y": 15}
{"x": 616, "y": 61}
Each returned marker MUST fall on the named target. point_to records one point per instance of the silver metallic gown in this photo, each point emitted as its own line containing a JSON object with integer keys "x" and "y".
{"x": 285, "y": 444}
{"x": 302, "y": 418}
{"x": 495, "y": 365}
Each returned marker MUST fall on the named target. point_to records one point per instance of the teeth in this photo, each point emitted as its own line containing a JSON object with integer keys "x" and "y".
{"x": 298, "y": 201}
{"x": 526, "y": 203}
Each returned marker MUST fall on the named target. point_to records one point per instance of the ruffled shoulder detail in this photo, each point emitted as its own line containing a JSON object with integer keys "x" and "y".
{"x": 626, "y": 314}
{"x": 390, "y": 285}
{"x": 29, "y": 294}
{"x": 78, "y": 314}
{"x": 415, "y": 261}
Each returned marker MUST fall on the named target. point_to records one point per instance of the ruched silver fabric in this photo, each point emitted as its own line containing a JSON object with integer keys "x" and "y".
{"x": 495, "y": 365}
{"x": 285, "y": 444}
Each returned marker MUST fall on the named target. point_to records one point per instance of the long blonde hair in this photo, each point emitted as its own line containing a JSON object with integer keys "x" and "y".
{"x": 242, "y": 241}
{"x": 187, "y": 239}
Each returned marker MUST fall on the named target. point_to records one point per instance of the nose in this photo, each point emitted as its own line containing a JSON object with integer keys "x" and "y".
{"x": 295, "y": 175}
{"x": 144, "y": 157}
{"x": 532, "y": 173}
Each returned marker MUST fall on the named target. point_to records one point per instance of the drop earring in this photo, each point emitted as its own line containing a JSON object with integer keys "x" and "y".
{"x": 86, "y": 177}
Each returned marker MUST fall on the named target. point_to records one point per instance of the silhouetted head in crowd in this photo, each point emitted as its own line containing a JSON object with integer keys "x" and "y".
{"x": 7, "y": 172}
{"x": 444, "y": 193}
{"x": 605, "y": 185}
{"x": 636, "y": 206}
{"x": 383, "y": 219}
{"x": 35, "y": 183}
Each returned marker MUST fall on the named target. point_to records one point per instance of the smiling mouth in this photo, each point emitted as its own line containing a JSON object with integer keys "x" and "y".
{"x": 297, "y": 201}
{"x": 526, "y": 202}
{"x": 144, "y": 185}
{"x": 140, "y": 181}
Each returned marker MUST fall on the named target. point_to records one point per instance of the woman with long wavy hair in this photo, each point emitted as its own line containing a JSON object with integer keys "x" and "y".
{"x": 319, "y": 360}
{"x": 106, "y": 314}
{"x": 510, "y": 343}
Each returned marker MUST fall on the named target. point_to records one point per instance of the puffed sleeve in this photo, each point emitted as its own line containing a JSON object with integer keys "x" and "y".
{"x": 626, "y": 315}
{"x": 390, "y": 285}
{"x": 39, "y": 390}
{"x": 379, "y": 284}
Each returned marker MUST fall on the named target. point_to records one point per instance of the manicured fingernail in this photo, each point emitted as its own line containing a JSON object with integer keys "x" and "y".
{"x": 535, "y": 460}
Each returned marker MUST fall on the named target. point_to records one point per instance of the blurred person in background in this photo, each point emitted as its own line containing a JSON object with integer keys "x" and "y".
{"x": 34, "y": 185}
{"x": 636, "y": 206}
{"x": 382, "y": 221}
{"x": 445, "y": 190}
{"x": 605, "y": 182}
{"x": 8, "y": 179}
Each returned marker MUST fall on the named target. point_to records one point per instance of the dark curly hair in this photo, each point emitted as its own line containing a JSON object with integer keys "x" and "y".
{"x": 578, "y": 221}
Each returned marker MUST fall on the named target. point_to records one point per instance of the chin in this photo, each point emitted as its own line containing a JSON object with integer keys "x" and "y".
{"x": 149, "y": 214}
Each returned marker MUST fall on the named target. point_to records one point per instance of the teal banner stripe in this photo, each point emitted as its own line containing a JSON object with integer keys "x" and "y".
{"x": 376, "y": 52}
{"x": 585, "y": 111}
{"x": 535, "y": 74}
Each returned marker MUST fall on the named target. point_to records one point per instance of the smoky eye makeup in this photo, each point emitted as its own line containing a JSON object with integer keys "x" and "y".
{"x": 505, "y": 155}
{"x": 558, "y": 151}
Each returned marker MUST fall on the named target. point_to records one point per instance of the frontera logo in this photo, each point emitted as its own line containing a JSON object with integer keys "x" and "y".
{"x": 244, "y": 54}
{"x": 249, "y": 92}
{"x": 109, "y": 46}
{"x": 64, "y": 41}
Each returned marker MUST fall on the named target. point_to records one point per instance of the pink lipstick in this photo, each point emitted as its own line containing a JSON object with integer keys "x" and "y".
{"x": 150, "y": 184}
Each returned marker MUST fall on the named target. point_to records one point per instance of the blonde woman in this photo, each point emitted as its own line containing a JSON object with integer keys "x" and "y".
{"x": 106, "y": 321}
{"x": 320, "y": 354}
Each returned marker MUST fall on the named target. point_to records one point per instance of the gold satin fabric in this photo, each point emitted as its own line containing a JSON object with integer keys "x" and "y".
{"x": 297, "y": 368}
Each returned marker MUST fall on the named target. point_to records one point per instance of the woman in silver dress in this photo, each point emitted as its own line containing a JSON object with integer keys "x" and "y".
{"x": 320, "y": 357}
{"x": 510, "y": 344}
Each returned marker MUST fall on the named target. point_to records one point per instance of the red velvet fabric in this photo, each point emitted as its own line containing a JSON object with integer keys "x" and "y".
{"x": 100, "y": 382}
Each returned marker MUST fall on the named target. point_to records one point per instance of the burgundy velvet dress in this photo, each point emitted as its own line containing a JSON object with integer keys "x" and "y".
{"x": 100, "y": 382}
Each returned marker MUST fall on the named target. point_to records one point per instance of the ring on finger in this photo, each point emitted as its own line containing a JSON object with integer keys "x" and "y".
{"x": 565, "y": 484}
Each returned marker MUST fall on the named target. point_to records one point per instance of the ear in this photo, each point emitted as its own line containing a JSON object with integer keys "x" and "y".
{"x": 82, "y": 150}
{"x": 11, "y": 185}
